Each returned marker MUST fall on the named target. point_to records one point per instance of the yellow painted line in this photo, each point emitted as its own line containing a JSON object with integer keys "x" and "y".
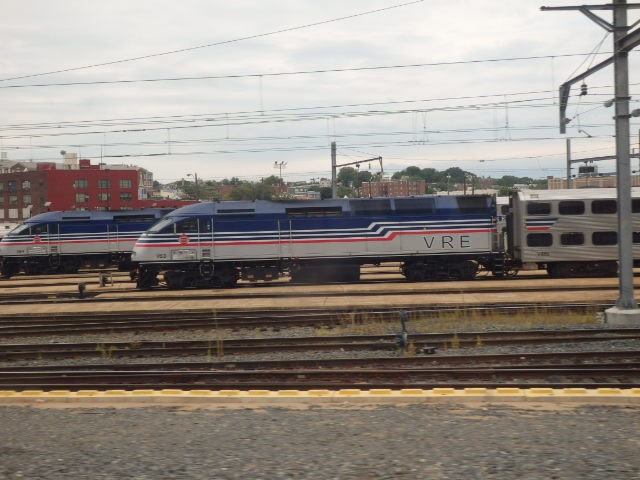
{"x": 240, "y": 396}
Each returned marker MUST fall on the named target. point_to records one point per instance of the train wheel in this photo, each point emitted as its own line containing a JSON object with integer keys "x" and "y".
{"x": 70, "y": 266}
{"x": 465, "y": 270}
{"x": 32, "y": 269}
{"x": 414, "y": 272}
{"x": 175, "y": 279}
{"x": 225, "y": 277}
{"x": 146, "y": 279}
{"x": 9, "y": 269}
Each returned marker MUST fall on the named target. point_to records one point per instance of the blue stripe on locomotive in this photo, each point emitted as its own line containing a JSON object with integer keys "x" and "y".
{"x": 259, "y": 221}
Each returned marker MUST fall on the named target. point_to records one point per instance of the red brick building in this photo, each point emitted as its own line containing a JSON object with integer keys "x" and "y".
{"x": 27, "y": 189}
{"x": 392, "y": 188}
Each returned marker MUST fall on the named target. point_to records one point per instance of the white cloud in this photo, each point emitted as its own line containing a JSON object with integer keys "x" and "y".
{"x": 43, "y": 36}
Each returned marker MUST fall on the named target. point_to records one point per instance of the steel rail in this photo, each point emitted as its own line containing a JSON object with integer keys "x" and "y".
{"x": 220, "y": 346}
{"x": 547, "y": 360}
{"x": 621, "y": 375}
{"x": 22, "y": 325}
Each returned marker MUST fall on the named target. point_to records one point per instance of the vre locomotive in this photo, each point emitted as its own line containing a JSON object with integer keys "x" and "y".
{"x": 216, "y": 243}
{"x": 65, "y": 241}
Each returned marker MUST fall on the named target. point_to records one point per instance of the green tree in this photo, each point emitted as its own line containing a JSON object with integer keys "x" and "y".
{"x": 325, "y": 192}
{"x": 413, "y": 172}
{"x": 273, "y": 180}
{"x": 504, "y": 191}
{"x": 347, "y": 176}
{"x": 429, "y": 175}
{"x": 232, "y": 181}
{"x": 362, "y": 177}
{"x": 252, "y": 191}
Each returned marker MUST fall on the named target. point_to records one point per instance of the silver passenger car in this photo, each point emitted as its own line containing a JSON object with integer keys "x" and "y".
{"x": 570, "y": 233}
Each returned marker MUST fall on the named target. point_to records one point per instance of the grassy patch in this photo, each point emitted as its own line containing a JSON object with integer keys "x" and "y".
{"x": 460, "y": 321}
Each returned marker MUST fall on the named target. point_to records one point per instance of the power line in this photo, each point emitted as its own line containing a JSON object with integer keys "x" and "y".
{"x": 215, "y": 44}
{"x": 300, "y": 72}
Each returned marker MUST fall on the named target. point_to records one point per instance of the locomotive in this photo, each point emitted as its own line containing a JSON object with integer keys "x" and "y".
{"x": 65, "y": 241}
{"x": 217, "y": 243}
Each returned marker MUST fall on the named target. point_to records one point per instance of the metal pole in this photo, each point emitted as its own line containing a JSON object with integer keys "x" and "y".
{"x": 568, "y": 163}
{"x": 333, "y": 170}
{"x": 623, "y": 161}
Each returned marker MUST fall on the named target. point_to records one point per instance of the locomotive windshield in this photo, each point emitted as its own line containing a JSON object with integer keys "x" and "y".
{"x": 176, "y": 225}
{"x": 22, "y": 229}
{"x": 162, "y": 224}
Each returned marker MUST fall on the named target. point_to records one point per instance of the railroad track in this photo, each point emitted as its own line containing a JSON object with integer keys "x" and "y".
{"x": 546, "y": 360}
{"x": 611, "y": 374}
{"x": 216, "y": 347}
{"x": 209, "y": 319}
{"x": 252, "y": 291}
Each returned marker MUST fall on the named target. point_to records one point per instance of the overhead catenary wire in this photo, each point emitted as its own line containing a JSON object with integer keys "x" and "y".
{"x": 215, "y": 44}
{"x": 292, "y": 73}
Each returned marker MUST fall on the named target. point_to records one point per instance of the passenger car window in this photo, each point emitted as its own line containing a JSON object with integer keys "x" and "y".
{"x": 538, "y": 208}
{"x": 604, "y": 238}
{"x": 572, "y": 238}
{"x": 539, "y": 240}
{"x": 571, "y": 207}
{"x": 604, "y": 206}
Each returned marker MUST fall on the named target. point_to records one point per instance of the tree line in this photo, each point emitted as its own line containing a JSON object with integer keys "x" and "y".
{"x": 348, "y": 180}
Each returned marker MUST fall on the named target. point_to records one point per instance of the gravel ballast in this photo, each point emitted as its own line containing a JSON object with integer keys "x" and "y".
{"x": 342, "y": 441}
{"x": 348, "y": 442}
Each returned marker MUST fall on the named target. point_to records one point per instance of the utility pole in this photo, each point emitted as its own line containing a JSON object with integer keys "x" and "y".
{"x": 195, "y": 184}
{"x": 626, "y": 310}
{"x": 334, "y": 188}
{"x": 568, "y": 163}
{"x": 280, "y": 165}
{"x": 334, "y": 167}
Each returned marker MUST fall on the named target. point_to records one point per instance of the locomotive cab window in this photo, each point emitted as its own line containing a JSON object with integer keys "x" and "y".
{"x": 21, "y": 230}
{"x": 604, "y": 238}
{"x": 205, "y": 225}
{"x": 538, "y": 208}
{"x": 189, "y": 225}
{"x": 571, "y": 207}
{"x": 39, "y": 229}
{"x": 572, "y": 238}
{"x": 604, "y": 206}
{"x": 163, "y": 226}
{"x": 539, "y": 240}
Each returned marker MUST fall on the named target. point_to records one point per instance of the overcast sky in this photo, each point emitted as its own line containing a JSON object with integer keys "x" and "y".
{"x": 251, "y": 88}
